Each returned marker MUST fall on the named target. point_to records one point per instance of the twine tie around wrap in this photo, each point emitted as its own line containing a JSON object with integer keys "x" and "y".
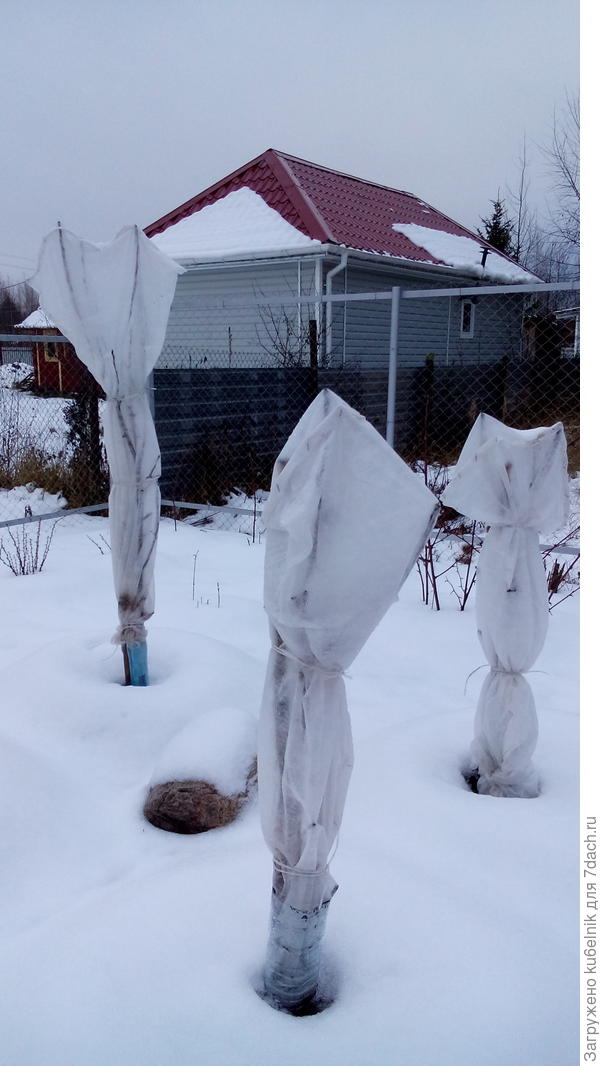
{"x": 283, "y": 868}
{"x": 499, "y": 670}
{"x": 130, "y": 633}
{"x": 130, "y": 396}
{"x": 139, "y": 483}
{"x": 327, "y": 673}
{"x": 515, "y": 523}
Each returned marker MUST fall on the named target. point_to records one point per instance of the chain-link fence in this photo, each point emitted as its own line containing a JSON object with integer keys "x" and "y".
{"x": 420, "y": 365}
{"x": 222, "y": 414}
{"x": 51, "y": 453}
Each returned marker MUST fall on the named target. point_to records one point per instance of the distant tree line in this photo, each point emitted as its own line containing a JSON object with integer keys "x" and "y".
{"x": 16, "y": 302}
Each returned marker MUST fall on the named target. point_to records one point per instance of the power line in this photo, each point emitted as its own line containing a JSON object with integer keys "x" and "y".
{"x": 23, "y": 258}
{"x": 14, "y": 285}
{"x": 26, "y": 269}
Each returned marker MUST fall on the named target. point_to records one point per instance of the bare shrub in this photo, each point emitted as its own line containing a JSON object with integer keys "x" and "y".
{"x": 562, "y": 576}
{"x": 27, "y": 552}
{"x": 465, "y": 566}
{"x": 16, "y": 436}
{"x": 455, "y": 542}
{"x": 432, "y": 558}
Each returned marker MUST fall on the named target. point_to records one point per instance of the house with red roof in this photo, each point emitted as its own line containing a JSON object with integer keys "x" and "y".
{"x": 264, "y": 240}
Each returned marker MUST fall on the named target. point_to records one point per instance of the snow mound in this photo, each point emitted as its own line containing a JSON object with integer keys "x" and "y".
{"x": 14, "y": 502}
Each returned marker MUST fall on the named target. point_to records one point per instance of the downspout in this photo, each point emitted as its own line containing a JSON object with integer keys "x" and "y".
{"x": 318, "y": 294}
{"x": 299, "y": 314}
{"x": 343, "y": 263}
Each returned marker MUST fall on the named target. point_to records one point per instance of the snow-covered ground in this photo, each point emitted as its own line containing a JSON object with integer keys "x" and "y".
{"x": 28, "y": 421}
{"x": 14, "y": 373}
{"x": 453, "y": 937}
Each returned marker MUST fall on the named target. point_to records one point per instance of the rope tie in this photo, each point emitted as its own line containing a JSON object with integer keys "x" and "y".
{"x": 134, "y": 482}
{"x": 130, "y": 396}
{"x": 516, "y": 524}
{"x": 499, "y": 670}
{"x": 130, "y": 633}
{"x": 328, "y": 674}
{"x": 283, "y": 868}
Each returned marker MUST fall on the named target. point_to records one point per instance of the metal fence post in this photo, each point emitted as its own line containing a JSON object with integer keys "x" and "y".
{"x": 392, "y": 367}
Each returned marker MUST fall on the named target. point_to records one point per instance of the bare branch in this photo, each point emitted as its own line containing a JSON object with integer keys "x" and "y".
{"x": 562, "y": 155}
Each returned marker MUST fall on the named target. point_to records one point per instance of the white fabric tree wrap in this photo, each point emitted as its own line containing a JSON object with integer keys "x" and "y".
{"x": 345, "y": 521}
{"x": 112, "y": 301}
{"x": 516, "y": 482}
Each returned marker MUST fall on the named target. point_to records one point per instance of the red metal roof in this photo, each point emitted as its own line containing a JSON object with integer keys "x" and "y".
{"x": 327, "y": 205}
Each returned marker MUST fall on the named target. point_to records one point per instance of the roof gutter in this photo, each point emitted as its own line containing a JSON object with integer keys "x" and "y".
{"x": 248, "y": 258}
{"x": 391, "y": 262}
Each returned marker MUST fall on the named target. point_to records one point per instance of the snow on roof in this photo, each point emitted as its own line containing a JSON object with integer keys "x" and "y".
{"x": 241, "y": 222}
{"x": 37, "y": 320}
{"x": 464, "y": 253}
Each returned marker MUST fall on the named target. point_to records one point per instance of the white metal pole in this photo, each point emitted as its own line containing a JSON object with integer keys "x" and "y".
{"x": 343, "y": 263}
{"x": 318, "y": 303}
{"x": 392, "y": 369}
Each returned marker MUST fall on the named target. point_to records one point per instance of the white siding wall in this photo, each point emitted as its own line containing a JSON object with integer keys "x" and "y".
{"x": 200, "y": 332}
{"x": 204, "y": 331}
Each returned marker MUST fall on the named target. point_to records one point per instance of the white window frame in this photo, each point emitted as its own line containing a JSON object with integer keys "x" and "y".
{"x": 471, "y": 331}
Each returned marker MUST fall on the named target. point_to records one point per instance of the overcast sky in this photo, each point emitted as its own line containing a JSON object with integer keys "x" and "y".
{"x": 116, "y": 111}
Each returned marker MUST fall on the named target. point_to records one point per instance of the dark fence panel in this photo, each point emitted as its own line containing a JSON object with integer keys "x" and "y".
{"x": 221, "y": 429}
{"x": 538, "y": 393}
{"x": 363, "y": 389}
{"x": 435, "y": 405}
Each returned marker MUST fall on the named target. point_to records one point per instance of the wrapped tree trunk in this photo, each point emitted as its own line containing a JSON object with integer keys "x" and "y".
{"x": 516, "y": 482}
{"x": 112, "y": 301}
{"x": 345, "y": 522}
{"x": 310, "y": 751}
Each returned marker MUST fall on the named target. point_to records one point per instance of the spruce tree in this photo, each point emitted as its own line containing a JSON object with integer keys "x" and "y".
{"x": 498, "y": 228}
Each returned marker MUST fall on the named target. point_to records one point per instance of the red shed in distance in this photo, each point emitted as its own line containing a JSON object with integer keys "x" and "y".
{"x": 56, "y": 366}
